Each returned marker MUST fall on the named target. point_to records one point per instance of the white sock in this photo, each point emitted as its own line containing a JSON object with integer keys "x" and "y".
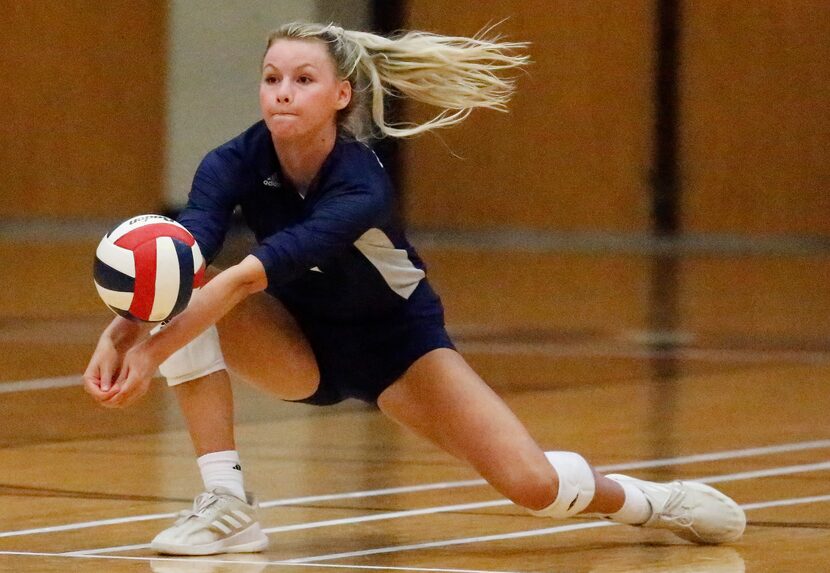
{"x": 636, "y": 509}
{"x": 222, "y": 469}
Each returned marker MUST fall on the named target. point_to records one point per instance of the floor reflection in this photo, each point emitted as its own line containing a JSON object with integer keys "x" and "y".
{"x": 674, "y": 559}
{"x": 242, "y": 563}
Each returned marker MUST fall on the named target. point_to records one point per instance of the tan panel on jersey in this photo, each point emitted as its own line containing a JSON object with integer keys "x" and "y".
{"x": 82, "y": 114}
{"x": 574, "y": 151}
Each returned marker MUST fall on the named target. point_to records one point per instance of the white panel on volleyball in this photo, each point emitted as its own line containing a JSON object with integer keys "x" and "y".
{"x": 167, "y": 283}
{"x": 115, "y": 299}
{"x": 119, "y": 258}
{"x": 198, "y": 259}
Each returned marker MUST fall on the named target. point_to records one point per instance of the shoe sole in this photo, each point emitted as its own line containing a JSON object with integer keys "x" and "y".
{"x": 250, "y": 540}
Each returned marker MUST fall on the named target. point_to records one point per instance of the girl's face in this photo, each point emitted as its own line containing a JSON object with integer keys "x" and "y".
{"x": 300, "y": 94}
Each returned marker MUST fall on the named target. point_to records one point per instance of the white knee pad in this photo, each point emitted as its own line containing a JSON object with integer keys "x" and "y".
{"x": 200, "y": 357}
{"x": 576, "y": 485}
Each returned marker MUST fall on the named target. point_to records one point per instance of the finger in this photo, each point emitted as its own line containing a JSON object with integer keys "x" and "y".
{"x": 113, "y": 397}
{"x": 123, "y": 374}
{"x": 92, "y": 388}
{"x": 133, "y": 388}
{"x": 118, "y": 386}
{"x": 121, "y": 391}
{"x": 128, "y": 390}
{"x": 106, "y": 379}
{"x": 90, "y": 384}
{"x": 100, "y": 397}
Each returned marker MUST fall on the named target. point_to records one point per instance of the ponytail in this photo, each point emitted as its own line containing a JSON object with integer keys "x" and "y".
{"x": 454, "y": 74}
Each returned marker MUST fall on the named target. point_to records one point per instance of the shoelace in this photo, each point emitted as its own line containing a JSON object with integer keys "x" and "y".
{"x": 673, "y": 509}
{"x": 202, "y": 502}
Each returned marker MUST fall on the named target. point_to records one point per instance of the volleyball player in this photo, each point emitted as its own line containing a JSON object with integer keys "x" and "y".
{"x": 333, "y": 303}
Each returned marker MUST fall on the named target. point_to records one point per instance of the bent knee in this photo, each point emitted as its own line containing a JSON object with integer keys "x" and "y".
{"x": 298, "y": 388}
{"x": 576, "y": 485}
{"x": 287, "y": 383}
{"x": 535, "y": 491}
{"x": 528, "y": 482}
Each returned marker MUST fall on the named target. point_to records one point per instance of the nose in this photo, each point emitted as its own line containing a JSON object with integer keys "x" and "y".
{"x": 282, "y": 93}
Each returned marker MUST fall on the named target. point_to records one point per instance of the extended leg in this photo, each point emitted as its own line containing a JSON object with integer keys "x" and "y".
{"x": 443, "y": 400}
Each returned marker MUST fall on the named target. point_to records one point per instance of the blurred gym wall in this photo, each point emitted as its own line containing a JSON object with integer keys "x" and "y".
{"x": 81, "y": 107}
{"x": 106, "y": 107}
{"x": 215, "y": 51}
{"x": 755, "y": 117}
{"x": 576, "y": 152}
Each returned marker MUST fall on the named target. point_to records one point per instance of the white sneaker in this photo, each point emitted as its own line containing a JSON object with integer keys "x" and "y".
{"x": 219, "y": 522}
{"x": 691, "y": 510}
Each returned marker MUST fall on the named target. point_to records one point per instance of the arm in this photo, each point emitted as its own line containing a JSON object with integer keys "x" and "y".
{"x": 211, "y": 202}
{"x": 206, "y": 308}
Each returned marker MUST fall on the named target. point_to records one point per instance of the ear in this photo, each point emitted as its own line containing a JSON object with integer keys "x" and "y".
{"x": 344, "y": 94}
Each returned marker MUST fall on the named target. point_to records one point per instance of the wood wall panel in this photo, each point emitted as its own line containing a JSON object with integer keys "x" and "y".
{"x": 82, "y": 107}
{"x": 574, "y": 151}
{"x": 756, "y": 117}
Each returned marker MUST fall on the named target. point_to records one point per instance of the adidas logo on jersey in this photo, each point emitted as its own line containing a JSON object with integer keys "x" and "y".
{"x": 272, "y": 181}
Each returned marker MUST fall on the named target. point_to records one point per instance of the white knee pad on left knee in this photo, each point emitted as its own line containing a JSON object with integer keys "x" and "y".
{"x": 199, "y": 357}
{"x": 576, "y": 485}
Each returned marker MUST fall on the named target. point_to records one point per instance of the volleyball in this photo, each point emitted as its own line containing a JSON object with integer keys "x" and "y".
{"x": 147, "y": 267}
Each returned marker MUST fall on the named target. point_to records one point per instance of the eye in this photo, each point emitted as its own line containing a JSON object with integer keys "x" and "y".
{"x": 270, "y": 79}
{"x": 304, "y": 79}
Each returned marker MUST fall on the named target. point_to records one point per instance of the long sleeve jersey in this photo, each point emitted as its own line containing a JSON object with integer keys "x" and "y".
{"x": 336, "y": 253}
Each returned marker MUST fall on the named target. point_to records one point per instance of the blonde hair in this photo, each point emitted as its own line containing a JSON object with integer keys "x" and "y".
{"x": 455, "y": 74}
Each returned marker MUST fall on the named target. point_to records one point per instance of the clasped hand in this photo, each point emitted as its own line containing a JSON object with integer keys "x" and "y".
{"x": 116, "y": 379}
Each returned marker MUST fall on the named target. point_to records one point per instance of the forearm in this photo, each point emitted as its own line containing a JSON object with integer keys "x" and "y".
{"x": 208, "y": 306}
{"x": 123, "y": 333}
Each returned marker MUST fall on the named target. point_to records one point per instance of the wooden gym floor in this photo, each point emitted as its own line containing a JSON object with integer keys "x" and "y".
{"x": 696, "y": 361}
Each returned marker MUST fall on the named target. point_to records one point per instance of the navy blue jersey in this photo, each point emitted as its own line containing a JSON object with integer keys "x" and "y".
{"x": 335, "y": 254}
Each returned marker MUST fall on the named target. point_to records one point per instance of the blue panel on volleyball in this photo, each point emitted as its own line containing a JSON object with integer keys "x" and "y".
{"x": 112, "y": 279}
{"x": 185, "y": 255}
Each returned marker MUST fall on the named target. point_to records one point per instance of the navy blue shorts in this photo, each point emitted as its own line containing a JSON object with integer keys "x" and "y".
{"x": 362, "y": 360}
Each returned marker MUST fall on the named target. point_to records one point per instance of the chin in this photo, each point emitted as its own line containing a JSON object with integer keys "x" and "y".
{"x": 283, "y": 131}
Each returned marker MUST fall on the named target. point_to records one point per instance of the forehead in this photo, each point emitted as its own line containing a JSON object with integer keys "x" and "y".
{"x": 296, "y": 52}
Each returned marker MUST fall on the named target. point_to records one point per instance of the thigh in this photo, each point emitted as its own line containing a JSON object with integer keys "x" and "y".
{"x": 264, "y": 346}
{"x": 442, "y": 399}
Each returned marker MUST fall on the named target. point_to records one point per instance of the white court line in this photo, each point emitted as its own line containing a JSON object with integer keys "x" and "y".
{"x": 770, "y": 472}
{"x": 785, "y": 502}
{"x": 545, "y": 349}
{"x": 272, "y": 503}
{"x": 219, "y": 561}
{"x": 380, "y": 492}
{"x": 87, "y": 524}
{"x": 713, "y": 456}
{"x": 515, "y": 535}
{"x": 783, "y": 470}
{"x": 330, "y": 522}
{"x": 718, "y": 456}
{"x": 559, "y": 350}
{"x": 388, "y": 515}
{"x": 40, "y": 384}
{"x": 529, "y": 533}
